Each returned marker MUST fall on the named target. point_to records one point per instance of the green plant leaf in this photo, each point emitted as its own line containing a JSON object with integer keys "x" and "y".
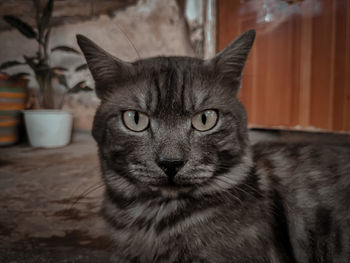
{"x": 77, "y": 87}
{"x": 80, "y": 86}
{"x": 81, "y": 67}
{"x": 65, "y": 49}
{"x": 30, "y": 61}
{"x": 46, "y": 17}
{"x": 9, "y": 64}
{"x": 62, "y": 80}
{"x": 18, "y": 75}
{"x": 21, "y": 26}
{"x": 46, "y": 38}
{"x": 87, "y": 89}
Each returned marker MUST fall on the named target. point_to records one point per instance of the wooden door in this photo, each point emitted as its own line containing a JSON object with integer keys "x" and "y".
{"x": 298, "y": 73}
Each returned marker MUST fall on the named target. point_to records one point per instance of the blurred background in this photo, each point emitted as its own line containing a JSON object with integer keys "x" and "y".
{"x": 297, "y": 76}
{"x": 296, "y": 88}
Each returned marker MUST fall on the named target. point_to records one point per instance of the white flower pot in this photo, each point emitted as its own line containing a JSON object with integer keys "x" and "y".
{"x": 48, "y": 128}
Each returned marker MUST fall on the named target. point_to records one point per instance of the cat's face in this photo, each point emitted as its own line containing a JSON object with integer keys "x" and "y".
{"x": 169, "y": 121}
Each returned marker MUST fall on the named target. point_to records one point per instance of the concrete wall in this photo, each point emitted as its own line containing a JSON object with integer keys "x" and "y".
{"x": 155, "y": 27}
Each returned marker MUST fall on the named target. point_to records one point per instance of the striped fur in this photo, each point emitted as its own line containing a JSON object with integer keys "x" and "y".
{"x": 230, "y": 202}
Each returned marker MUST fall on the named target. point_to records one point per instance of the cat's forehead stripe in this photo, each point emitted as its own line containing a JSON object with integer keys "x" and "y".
{"x": 175, "y": 86}
{"x": 168, "y": 82}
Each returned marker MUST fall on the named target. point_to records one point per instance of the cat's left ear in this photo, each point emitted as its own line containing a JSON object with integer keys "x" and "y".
{"x": 106, "y": 69}
{"x": 229, "y": 63}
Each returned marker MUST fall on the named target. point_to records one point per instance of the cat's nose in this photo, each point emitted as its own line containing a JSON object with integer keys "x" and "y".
{"x": 170, "y": 166}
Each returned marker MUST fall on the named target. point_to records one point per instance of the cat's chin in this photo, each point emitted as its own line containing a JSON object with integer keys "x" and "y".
{"x": 170, "y": 191}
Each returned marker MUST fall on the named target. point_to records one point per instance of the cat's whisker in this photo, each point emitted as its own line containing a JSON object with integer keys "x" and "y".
{"x": 76, "y": 189}
{"x": 87, "y": 192}
{"x": 227, "y": 195}
{"x": 236, "y": 187}
{"x": 224, "y": 192}
{"x": 94, "y": 168}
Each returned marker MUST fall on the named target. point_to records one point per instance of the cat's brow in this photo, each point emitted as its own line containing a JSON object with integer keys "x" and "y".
{"x": 131, "y": 102}
{"x": 203, "y": 103}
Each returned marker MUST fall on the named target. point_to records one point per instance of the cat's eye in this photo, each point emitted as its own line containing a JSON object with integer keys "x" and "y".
{"x": 135, "y": 120}
{"x": 205, "y": 120}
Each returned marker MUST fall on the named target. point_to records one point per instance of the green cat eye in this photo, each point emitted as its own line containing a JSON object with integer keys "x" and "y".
{"x": 205, "y": 120}
{"x": 135, "y": 120}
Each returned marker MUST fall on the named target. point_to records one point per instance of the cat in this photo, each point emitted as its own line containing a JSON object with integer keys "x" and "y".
{"x": 183, "y": 184}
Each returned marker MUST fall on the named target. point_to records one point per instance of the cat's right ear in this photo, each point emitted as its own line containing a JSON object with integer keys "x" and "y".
{"x": 229, "y": 63}
{"x": 106, "y": 69}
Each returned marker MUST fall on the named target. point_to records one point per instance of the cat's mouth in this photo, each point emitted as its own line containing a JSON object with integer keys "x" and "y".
{"x": 174, "y": 187}
{"x": 171, "y": 191}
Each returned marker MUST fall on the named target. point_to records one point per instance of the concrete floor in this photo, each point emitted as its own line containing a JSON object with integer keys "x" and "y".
{"x": 49, "y": 203}
{"x": 50, "y": 199}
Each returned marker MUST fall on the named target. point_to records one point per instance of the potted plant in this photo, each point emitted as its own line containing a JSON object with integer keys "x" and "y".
{"x": 48, "y": 126}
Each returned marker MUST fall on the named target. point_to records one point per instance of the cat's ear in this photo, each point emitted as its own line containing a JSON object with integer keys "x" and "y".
{"x": 229, "y": 63}
{"x": 106, "y": 69}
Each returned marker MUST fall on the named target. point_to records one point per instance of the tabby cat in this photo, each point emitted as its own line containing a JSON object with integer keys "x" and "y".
{"x": 184, "y": 185}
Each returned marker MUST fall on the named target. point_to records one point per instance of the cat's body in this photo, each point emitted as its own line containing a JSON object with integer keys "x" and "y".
{"x": 178, "y": 190}
{"x": 292, "y": 207}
